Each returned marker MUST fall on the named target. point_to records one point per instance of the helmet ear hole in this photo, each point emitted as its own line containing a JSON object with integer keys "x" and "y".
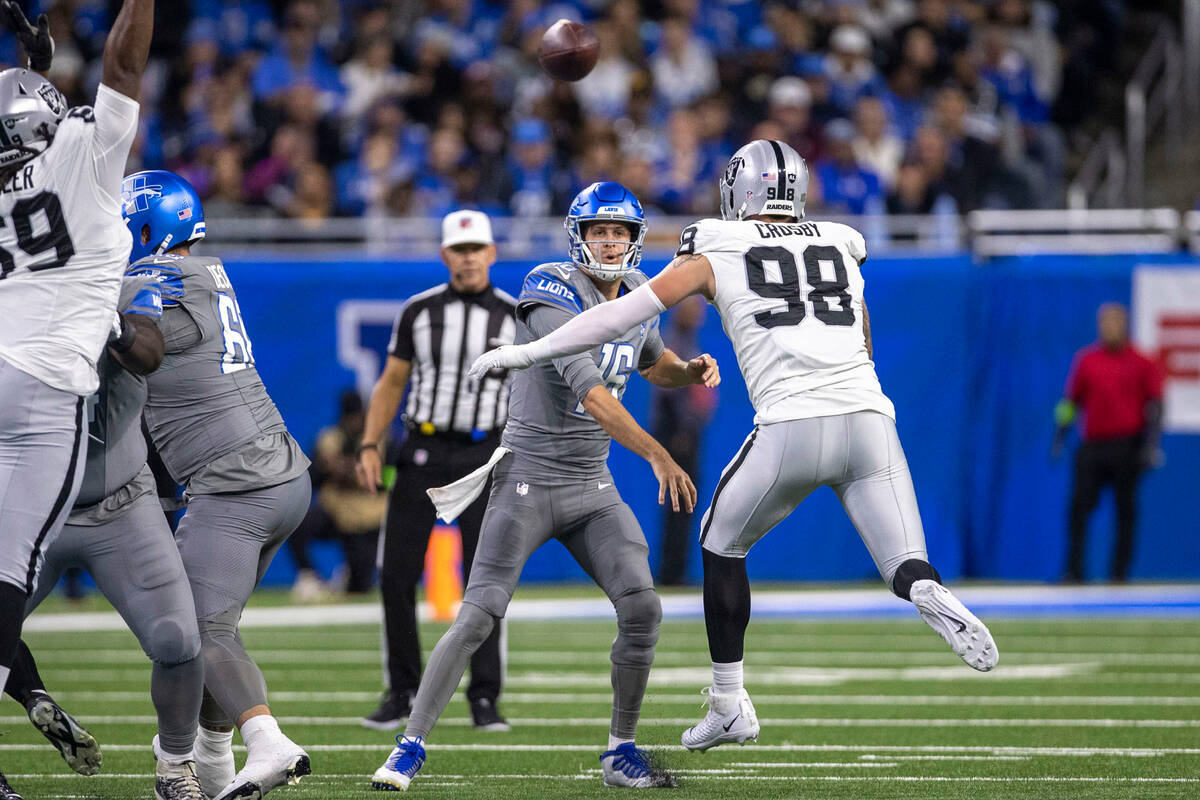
{"x": 145, "y": 235}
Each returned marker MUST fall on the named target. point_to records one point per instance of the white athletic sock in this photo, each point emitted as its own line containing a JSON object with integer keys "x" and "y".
{"x": 214, "y": 740}
{"x": 727, "y": 678}
{"x": 615, "y": 742}
{"x": 258, "y": 729}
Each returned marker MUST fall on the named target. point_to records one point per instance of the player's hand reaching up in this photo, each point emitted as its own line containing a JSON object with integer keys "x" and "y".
{"x": 703, "y": 370}
{"x": 38, "y": 43}
{"x": 673, "y": 481}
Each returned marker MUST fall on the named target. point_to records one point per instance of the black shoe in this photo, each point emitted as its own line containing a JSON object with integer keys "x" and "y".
{"x": 485, "y": 717}
{"x": 6, "y": 791}
{"x": 78, "y": 747}
{"x": 393, "y": 709}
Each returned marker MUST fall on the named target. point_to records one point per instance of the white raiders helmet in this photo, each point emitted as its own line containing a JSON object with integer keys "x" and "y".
{"x": 30, "y": 111}
{"x": 764, "y": 177}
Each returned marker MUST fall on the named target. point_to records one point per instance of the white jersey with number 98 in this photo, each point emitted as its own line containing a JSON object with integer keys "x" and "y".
{"x": 790, "y": 297}
{"x": 64, "y": 246}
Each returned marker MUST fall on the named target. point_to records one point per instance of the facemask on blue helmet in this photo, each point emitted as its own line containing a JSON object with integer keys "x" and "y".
{"x": 166, "y": 207}
{"x": 605, "y": 202}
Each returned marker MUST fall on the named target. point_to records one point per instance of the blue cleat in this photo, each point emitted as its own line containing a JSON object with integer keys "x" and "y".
{"x": 401, "y": 766}
{"x": 629, "y": 765}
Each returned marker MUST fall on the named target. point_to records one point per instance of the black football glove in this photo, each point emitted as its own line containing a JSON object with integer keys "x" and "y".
{"x": 38, "y": 43}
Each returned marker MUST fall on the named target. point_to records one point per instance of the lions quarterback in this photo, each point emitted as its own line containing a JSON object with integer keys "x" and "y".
{"x": 62, "y": 248}
{"x": 790, "y": 295}
{"x": 210, "y": 418}
{"x": 550, "y": 479}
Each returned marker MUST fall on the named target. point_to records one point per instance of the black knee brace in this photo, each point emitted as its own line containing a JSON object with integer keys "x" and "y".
{"x": 909, "y": 573}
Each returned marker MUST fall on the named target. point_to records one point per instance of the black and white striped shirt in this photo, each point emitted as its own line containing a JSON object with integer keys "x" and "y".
{"x": 441, "y": 332}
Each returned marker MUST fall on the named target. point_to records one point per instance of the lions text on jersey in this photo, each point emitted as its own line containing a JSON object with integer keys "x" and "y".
{"x": 790, "y": 297}
{"x": 64, "y": 246}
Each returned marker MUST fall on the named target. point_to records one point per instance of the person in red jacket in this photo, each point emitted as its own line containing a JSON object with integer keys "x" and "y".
{"x": 1119, "y": 392}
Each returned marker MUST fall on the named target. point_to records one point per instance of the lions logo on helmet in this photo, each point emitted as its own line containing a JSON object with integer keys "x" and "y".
{"x": 162, "y": 211}
{"x": 604, "y": 201}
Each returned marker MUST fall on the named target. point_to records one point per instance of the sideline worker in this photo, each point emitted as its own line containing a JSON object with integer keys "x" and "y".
{"x": 453, "y": 426}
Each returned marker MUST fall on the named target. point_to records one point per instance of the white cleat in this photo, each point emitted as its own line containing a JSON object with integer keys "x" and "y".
{"x": 268, "y": 767}
{"x": 214, "y": 764}
{"x": 730, "y": 718}
{"x": 967, "y": 636}
{"x": 175, "y": 777}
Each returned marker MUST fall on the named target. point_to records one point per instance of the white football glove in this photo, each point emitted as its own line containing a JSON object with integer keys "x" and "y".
{"x": 509, "y": 356}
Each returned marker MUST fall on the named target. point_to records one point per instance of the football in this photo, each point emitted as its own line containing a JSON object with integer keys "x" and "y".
{"x": 568, "y": 50}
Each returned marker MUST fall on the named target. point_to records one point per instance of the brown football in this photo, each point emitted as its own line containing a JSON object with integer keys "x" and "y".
{"x": 568, "y": 50}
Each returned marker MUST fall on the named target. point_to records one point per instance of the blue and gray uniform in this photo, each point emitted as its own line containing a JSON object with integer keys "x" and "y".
{"x": 118, "y": 533}
{"x": 220, "y": 435}
{"x": 555, "y": 484}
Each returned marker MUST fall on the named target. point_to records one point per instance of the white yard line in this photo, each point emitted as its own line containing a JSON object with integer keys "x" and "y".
{"x": 693, "y": 698}
{"x": 1008, "y": 600}
{"x": 828, "y": 722}
{"x": 724, "y": 775}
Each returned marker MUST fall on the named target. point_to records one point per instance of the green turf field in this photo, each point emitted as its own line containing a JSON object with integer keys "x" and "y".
{"x": 1084, "y": 708}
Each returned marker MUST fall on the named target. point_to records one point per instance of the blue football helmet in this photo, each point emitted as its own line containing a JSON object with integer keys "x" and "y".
{"x": 601, "y": 202}
{"x": 166, "y": 205}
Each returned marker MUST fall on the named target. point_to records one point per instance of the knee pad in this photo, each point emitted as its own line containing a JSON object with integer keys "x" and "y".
{"x": 170, "y": 643}
{"x": 909, "y": 573}
{"x": 638, "y": 617}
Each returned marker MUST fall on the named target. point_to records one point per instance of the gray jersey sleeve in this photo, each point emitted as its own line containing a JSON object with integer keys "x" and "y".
{"x": 579, "y": 371}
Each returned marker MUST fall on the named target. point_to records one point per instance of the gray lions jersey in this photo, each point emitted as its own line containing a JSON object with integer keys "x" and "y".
{"x": 547, "y": 426}
{"x": 117, "y": 448}
{"x": 208, "y": 412}
{"x": 791, "y": 301}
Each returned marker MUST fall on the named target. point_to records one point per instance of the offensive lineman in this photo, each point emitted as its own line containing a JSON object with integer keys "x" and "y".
{"x": 790, "y": 295}
{"x": 62, "y": 252}
{"x": 219, "y": 435}
{"x": 551, "y": 480}
{"x": 118, "y": 533}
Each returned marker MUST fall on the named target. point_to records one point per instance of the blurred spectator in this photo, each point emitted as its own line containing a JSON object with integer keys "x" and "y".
{"x": 874, "y": 145}
{"x": 531, "y": 171}
{"x": 434, "y": 185}
{"x": 949, "y": 32}
{"x": 226, "y": 191}
{"x": 847, "y": 187}
{"x": 296, "y": 60}
{"x": 343, "y": 511}
{"x": 684, "y": 69}
{"x": 912, "y": 193}
{"x": 984, "y": 181}
{"x": 605, "y": 91}
{"x": 370, "y": 77}
{"x": 848, "y": 68}
{"x": 789, "y": 103}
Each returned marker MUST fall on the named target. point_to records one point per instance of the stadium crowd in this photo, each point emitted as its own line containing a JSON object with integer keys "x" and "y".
{"x": 318, "y": 108}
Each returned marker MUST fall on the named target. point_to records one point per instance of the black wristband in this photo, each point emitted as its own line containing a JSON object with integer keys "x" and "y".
{"x": 366, "y": 446}
{"x": 124, "y": 342}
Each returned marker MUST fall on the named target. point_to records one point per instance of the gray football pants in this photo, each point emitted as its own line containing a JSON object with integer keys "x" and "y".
{"x": 601, "y": 533}
{"x": 133, "y": 558}
{"x": 857, "y": 455}
{"x": 227, "y": 541}
{"x": 43, "y": 447}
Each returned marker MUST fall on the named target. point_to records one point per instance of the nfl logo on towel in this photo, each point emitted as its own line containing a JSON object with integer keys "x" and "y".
{"x": 522, "y": 488}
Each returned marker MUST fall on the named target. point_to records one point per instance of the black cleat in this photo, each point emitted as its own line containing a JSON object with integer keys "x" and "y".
{"x": 393, "y": 709}
{"x": 78, "y": 747}
{"x": 486, "y": 717}
{"x": 6, "y": 791}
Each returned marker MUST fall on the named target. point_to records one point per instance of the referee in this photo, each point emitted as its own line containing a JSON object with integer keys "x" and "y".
{"x": 453, "y": 427}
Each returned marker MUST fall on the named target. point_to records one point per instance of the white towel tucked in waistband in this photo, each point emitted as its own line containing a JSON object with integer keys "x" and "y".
{"x": 453, "y": 498}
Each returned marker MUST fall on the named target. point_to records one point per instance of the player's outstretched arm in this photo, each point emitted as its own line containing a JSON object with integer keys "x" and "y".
{"x": 385, "y": 400}
{"x": 623, "y": 428}
{"x": 686, "y": 275}
{"x": 144, "y": 347}
{"x": 128, "y": 47}
{"x": 671, "y": 371}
